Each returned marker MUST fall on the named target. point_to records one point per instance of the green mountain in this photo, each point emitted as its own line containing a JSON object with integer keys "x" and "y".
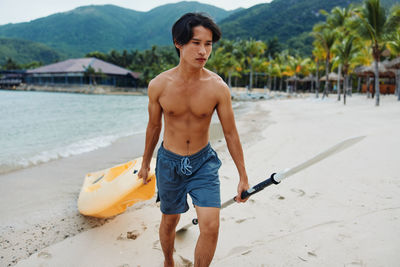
{"x": 288, "y": 20}
{"x": 284, "y": 19}
{"x": 107, "y": 27}
{"x": 23, "y": 51}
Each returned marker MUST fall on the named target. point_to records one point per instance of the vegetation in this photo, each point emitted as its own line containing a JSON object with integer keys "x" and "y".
{"x": 347, "y": 38}
{"x": 24, "y": 52}
{"x": 103, "y": 28}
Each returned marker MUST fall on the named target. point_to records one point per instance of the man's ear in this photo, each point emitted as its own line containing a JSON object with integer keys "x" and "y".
{"x": 177, "y": 45}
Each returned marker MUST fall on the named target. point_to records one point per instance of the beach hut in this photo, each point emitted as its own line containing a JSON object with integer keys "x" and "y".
{"x": 333, "y": 77}
{"x": 395, "y": 65}
{"x": 386, "y": 75}
{"x": 309, "y": 79}
{"x": 294, "y": 79}
{"x": 82, "y": 71}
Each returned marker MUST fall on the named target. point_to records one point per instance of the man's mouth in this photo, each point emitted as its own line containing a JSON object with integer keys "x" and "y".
{"x": 201, "y": 59}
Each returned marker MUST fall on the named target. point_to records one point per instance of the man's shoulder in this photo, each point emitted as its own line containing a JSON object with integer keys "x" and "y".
{"x": 161, "y": 79}
{"x": 216, "y": 80}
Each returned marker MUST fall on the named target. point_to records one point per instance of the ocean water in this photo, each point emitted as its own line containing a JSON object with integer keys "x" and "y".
{"x": 36, "y": 127}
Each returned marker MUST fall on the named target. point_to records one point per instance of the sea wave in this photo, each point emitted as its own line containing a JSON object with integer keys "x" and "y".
{"x": 72, "y": 149}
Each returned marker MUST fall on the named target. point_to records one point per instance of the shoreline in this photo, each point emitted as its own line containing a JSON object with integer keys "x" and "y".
{"x": 326, "y": 215}
{"x": 48, "y": 214}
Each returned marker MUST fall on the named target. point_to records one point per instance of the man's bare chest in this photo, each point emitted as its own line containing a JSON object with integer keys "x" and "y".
{"x": 199, "y": 102}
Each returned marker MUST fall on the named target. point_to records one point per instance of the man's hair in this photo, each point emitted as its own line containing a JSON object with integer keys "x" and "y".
{"x": 182, "y": 31}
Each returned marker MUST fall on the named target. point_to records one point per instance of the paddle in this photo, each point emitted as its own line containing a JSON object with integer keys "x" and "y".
{"x": 276, "y": 178}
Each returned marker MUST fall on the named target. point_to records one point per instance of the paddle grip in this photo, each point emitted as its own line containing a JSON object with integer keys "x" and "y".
{"x": 257, "y": 188}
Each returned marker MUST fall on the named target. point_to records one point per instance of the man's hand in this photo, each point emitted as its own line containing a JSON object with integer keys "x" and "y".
{"x": 243, "y": 186}
{"x": 143, "y": 174}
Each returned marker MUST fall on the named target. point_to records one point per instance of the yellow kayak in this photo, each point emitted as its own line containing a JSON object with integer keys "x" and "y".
{"x": 109, "y": 192}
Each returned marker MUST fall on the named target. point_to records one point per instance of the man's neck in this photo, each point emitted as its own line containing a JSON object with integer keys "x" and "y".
{"x": 188, "y": 73}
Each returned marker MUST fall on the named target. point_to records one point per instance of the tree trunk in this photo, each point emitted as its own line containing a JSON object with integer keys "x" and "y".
{"x": 359, "y": 84}
{"x": 287, "y": 86}
{"x": 317, "y": 80}
{"x": 368, "y": 85}
{"x": 312, "y": 85}
{"x": 251, "y": 76}
{"x": 346, "y": 77}
{"x": 280, "y": 83}
{"x": 230, "y": 80}
{"x": 338, "y": 82}
{"x": 327, "y": 77}
{"x": 269, "y": 82}
{"x": 275, "y": 83}
{"x": 377, "y": 89}
{"x": 398, "y": 84}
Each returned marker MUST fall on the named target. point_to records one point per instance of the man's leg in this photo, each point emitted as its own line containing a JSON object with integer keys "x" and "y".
{"x": 207, "y": 242}
{"x": 167, "y": 237}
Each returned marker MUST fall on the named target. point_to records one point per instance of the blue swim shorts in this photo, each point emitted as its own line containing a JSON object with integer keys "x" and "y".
{"x": 196, "y": 175}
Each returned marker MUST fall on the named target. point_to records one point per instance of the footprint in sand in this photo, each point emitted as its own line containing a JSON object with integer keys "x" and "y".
{"x": 244, "y": 219}
{"x": 182, "y": 262}
{"x": 277, "y": 196}
{"x": 242, "y": 250}
{"x": 300, "y": 192}
{"x": 355, "y": 263}
{"x": 132, "y": 235}
{"x": 157, "y": 245}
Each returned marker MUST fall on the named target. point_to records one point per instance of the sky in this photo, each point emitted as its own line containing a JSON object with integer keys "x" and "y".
{"x": 14, "y": 11}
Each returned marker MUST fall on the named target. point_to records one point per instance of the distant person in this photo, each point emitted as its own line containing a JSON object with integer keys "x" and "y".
{"x": 187, "y": 96}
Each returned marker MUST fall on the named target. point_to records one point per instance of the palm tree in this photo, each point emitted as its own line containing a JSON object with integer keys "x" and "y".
{"x": 326, "y": 38}
{"x": 363, "y": 57}
{"x": 346, "y": 51}
{"x": 375, "y": 25}
{"x": 253, "y": 49}
{"x": 319, "y": 54}
{"x": 280, "y": 60}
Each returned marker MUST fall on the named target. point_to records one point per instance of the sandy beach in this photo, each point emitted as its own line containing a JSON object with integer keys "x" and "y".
{"x": 343, "y": 211}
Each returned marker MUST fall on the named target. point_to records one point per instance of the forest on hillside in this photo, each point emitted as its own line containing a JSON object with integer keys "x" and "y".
{"x": 342, "y": 42}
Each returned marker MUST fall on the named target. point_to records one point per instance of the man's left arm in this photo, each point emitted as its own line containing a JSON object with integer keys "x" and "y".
{"x": 226, "y": 117}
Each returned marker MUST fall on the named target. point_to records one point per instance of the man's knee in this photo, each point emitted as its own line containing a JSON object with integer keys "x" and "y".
{"x": 170, "y": 221}
{"x": 209, "y": 227}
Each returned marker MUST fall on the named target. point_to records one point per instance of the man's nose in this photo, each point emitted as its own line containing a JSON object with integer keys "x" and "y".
{"x": 202, "y": 50}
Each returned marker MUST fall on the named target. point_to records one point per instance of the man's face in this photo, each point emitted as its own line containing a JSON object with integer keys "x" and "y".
{"x": 198, "y": 49}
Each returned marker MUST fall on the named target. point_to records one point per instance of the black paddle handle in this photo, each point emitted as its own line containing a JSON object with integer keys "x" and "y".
{"x": 257, "y": 188}
{"x": 251, "y": 191}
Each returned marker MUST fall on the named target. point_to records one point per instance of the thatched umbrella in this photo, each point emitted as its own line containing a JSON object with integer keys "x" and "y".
{"x": 384, "y": 72}
{"x": 293, "y": 79}
{"x": 393, "y": 64}
{"x": 368, "y": 71}
{"x": 309, "y": 78}
{"x": 332, "y": 77}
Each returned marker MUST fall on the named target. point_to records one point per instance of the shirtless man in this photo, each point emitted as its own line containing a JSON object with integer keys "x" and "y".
{"x": 187, "y": 96}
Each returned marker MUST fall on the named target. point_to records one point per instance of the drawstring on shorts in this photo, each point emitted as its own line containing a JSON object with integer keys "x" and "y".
{"x": 185, "y": 166}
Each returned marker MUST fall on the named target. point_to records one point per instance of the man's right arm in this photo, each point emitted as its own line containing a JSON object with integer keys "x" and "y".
{"x": 153, "y": 128}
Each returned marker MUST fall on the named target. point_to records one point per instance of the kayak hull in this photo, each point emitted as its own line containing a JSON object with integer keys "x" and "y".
{"x": 109, "y": 192}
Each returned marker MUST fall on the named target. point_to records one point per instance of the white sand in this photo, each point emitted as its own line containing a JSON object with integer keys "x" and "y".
{"x": 343, "y": 211}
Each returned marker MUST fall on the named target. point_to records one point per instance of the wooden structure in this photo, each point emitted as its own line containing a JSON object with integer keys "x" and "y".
{"x": 82, "y": 71}
{"x": 387, "y": 76}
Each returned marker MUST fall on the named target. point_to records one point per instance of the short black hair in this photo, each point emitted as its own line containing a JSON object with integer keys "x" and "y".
{"x": 182, "y": 30}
